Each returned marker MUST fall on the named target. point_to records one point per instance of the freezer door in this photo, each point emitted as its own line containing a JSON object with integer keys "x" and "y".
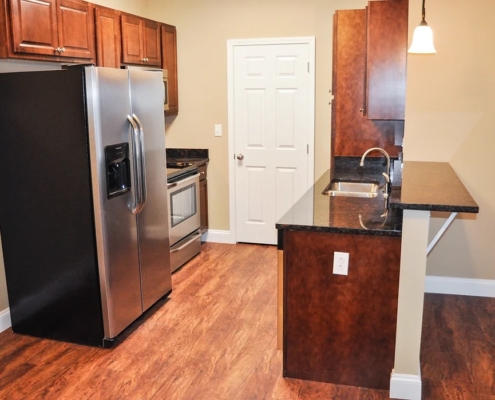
{"x": 154, "y": 245}
{"x": 108, "y": 102}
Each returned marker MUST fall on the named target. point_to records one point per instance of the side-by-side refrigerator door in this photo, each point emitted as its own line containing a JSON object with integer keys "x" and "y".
{"x": 114, "y": 196}
{"x": 154, "y": 246}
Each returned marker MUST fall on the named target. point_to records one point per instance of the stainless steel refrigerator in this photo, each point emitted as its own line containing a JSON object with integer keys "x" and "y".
{"x": 83, "y": 200}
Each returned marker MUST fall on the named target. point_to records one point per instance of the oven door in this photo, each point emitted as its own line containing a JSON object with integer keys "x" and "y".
{"x": 183, "y": 205}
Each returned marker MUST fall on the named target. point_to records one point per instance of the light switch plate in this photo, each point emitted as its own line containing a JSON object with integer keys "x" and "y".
{"x": 340, "y": 263}
{"x": 218, "y": 130}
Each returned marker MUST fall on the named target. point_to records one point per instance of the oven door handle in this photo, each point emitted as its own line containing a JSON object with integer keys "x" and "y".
{"x": 185, "y": 180}
{"x": 187, "y": 243}
{"x": 144, "y": 189}
{"x": 171, "y": 185}
{"x": 136, "y": 186}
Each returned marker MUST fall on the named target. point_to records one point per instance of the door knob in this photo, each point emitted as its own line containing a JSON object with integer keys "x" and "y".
{"x": 240, "y": 156}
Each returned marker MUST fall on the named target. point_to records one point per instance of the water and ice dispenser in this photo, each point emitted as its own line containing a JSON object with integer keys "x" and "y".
{"x": 118, "y": 169}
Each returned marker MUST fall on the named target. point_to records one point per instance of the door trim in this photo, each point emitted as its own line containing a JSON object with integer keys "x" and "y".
{"x": 231, "y": 44}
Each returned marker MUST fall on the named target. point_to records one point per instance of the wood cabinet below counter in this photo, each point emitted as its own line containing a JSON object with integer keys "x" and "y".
{"x": 203, "y": 198}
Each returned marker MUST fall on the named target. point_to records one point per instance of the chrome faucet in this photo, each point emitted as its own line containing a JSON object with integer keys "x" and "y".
{"x": 386, "y": 174}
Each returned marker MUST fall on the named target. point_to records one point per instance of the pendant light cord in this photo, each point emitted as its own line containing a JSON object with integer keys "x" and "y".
{"x": 423, "y": 13}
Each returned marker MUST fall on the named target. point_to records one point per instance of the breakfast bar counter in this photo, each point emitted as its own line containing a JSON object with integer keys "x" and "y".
{"x": 357, "y": 327}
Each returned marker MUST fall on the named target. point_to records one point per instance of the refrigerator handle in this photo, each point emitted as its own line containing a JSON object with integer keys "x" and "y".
{"x": 144, "y": 189}
{"x": 136, "y": 187}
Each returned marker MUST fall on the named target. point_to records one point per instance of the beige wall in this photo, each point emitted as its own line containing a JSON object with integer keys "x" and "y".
{"x": 203, "y": 30}
{"x": 450, "y": 116}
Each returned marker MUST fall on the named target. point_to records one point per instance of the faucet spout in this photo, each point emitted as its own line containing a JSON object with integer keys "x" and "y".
{"x": 386, "y": 174}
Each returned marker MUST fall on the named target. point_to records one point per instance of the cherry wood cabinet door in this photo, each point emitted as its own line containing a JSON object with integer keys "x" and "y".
{"x": 386, "y": 59}
{"x": 140, "y": 41}
{"x": 352, "y": 132}
{"x": 107, "y": 27}
{"x": 151, "y": 43}
{"x": 34, "y": 26}
{"x": 203, "y": 201}
{"x": 76, "y": 29}
{"x": 132, "y": 39}
{"x": 169, "y": 62}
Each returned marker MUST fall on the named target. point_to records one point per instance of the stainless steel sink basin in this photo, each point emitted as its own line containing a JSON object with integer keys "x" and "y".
{"x": 352, "y": 189}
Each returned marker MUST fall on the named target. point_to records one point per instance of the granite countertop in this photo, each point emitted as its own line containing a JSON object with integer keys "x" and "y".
{"x": 196, "y": 157}
{"x": 429, "y": 186}
{"x": 355, "y": 215}
{"x": 432, "y": 186}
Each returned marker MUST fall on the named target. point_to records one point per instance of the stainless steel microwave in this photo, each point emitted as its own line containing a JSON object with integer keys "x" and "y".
{"x": 165, "y": 81}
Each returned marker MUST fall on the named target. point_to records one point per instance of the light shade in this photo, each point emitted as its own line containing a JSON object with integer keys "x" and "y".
{"x": 422, "y": 41}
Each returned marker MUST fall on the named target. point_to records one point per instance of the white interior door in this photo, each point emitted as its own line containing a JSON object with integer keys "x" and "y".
{"x": 273, "y": 114}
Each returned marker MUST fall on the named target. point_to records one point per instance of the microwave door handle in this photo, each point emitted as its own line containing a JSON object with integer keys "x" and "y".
{"x": 144, "y": 188}
{"x": 135, "y": 168}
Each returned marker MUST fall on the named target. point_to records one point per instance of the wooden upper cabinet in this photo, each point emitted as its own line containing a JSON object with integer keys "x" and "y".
{"x": 140, "y": 41}
{"x": 59, "y": 28}
{"x": 386, "y": 59}
{"x": 108, "y": 37}
{"x": 352, "y": 132}
{"x": 169, "y": 62}
{"x": 76, "y": 29}
{"x": 34, "y": 26}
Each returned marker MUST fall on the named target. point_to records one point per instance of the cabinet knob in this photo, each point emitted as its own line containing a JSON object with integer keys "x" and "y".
{"x": 240, "y": 157}
{"x": 361, "y": 109}
{"x": 58, "y": 49}
{"x": 62, "y": 50}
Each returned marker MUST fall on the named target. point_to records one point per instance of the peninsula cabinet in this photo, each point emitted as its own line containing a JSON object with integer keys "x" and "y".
{"x": 50, "y": 30}
{"x": 340, "y": 328}
{"x": 169, "y": 62}
{"x": 140, "y": 41}
{"x": 108, "y": 37}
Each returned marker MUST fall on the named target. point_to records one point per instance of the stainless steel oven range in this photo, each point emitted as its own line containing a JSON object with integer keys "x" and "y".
{"x": 184, "y": 218}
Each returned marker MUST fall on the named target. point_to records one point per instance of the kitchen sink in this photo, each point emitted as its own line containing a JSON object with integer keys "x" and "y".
{"x": 352, "y": 189}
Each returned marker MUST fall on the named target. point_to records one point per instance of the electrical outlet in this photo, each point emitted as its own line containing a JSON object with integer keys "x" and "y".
{"x": 340, "y": 263}
{"x": 218, "y": 130}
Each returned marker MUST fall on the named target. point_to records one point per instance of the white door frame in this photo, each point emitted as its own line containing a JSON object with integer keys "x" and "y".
{"x": 230, "y": 102}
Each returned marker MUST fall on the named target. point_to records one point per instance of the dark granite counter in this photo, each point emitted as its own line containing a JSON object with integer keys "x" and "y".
{"x": 180, "y": 161}
{"x": 432, "y": 186}
{"x": 429, "y": 186}
{"x": 355, "y": 215}
{"x": 198, "y": 156}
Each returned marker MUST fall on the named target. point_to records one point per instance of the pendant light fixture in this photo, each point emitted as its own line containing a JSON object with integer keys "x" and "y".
{"x": 422, "y": 42}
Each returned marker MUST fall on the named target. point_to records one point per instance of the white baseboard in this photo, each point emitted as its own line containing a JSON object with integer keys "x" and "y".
{"x": 216, "y": 236}
{"x": 5, "y": 322}
{"x": 405, "y": 386}
{"x": 460, "y": 286}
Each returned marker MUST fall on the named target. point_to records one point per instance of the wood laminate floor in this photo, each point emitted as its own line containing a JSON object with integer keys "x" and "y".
{"x": 215, "y": 338}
